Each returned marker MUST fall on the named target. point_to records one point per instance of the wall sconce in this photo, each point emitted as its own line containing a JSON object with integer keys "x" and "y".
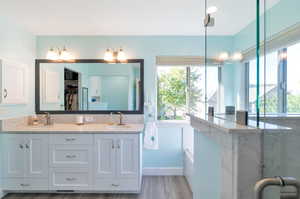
{"x": 235, "y": 57}
{"x": 115, "y": 55}
{"x": 59, "y": 54}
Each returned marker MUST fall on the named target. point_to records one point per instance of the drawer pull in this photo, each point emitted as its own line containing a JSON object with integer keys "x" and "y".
{"x": 115, "y": 185}
{"x": 70, "y": 156}
{"x": 70, "y": 139}
{"x": 25, "y": 185}
{"x": 5, "y": 93}
{"x": 71, "y": 179}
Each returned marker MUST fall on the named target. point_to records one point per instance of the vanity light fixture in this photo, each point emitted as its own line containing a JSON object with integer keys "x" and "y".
{"x": 283, "y": 55}
{"x": 224, "y": 56}
{"x": 235, "y": 57}
{"x": 59, "y": 54}
{"x": 115, "y": 55}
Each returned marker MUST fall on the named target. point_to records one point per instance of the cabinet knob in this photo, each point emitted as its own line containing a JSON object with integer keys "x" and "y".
{"x": 25, "y": 185}
{"x": 70, "y": 139}
{"x": 70, "y": 156}
{"x": 5, "y": 93}
{"x": 27, "y": 146}
{"x": 115, "y": 185}
{"x": 21, "y": 146}
{"x": 71, "y": 179}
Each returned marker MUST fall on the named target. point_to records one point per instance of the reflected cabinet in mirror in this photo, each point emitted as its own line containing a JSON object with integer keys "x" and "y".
{"x": 89, "y": 86}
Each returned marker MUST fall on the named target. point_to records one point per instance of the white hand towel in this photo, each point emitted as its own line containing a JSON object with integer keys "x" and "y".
{"x": 151, "y": 136}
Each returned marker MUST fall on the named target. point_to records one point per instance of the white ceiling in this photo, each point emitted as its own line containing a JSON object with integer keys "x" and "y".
{"x": 127, "y": 17}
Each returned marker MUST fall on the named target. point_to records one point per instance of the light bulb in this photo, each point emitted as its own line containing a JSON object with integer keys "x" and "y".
{"x": 121, "y": 55}
{"x": 223, "y": 56}
{"x": 52, "y": 55}
{"x": 108, "y": 55}
{"x": 65, "y": 55}
{"x": 237, "y": 56}
{"x": 211, "y": 10}
{"x": 283, "y": 55}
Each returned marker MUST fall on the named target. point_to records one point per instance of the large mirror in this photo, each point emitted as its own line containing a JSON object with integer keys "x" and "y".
{"x": 89, "y": 86}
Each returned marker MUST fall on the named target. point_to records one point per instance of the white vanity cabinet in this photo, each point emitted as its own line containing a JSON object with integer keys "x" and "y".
{"x": 71, "y": 162}
{"x": 118, "y": 165}
{"x": 14, "y": 83}
{"x": 25, "y": 161}
{"x": 93, "y": 162}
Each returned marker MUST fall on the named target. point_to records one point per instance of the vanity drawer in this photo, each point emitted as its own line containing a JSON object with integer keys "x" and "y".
{"x": 121, "y": 185}
{"x": 19, "y": 184}
{"x": 70, "y": 156}
{"x": 70, "y": 179}
{"x": 71, "y": 139}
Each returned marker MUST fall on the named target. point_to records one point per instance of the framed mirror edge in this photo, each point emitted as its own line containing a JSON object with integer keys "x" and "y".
{"x": 37, "y": 87}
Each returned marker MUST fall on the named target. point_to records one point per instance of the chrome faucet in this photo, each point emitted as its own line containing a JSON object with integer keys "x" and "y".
{"x": 121, "y": 118}
{"x": 48, "y": 119}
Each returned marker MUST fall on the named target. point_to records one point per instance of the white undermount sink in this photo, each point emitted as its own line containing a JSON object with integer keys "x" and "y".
{"x": 116, "y": 126}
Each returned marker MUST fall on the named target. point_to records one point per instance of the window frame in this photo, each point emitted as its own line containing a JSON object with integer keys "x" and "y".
{"x": 282, "y": 105}
{"x": 188, "y": 72}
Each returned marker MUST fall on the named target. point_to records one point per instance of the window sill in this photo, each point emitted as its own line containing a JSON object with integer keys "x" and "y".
{"x": 173, "y": 123}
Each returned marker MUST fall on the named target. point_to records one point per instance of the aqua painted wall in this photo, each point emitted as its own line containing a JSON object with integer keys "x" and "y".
{"x": 147, "y": 48}
{"x": 280, "y": 17}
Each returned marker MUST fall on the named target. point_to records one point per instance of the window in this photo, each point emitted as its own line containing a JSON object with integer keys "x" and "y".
{"x": 281, "y": 87}
{"x": 181, "y": 90}
{"x": 293, "y": 79}
{"x": 268, "y": 88}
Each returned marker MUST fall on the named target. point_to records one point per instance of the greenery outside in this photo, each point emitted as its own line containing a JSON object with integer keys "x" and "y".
{"x": 178, "y": 92}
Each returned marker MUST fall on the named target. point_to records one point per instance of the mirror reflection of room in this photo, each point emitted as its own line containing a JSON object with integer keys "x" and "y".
{"x": 89, "y": 86}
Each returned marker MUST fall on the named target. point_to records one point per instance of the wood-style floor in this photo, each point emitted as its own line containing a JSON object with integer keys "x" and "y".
{"x": 169, "y": 187}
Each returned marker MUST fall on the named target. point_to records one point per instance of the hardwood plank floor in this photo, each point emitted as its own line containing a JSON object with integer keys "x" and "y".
{"x": 156, "y": 187}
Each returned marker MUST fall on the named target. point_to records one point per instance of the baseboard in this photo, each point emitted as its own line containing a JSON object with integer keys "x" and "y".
{"x": 163, "y": 171}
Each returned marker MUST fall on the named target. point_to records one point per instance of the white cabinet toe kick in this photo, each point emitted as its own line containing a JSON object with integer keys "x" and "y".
{"x": 104, "y": 163}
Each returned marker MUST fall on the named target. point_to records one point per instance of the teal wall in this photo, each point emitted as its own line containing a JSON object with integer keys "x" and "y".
{"x": 17, "y": 44}
{"x": 147, "y": 48}
{"x": 280, "y": 17}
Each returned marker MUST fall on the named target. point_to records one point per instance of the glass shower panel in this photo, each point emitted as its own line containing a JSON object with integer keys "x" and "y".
{"x": 231, "y": 45}
{"x": 280, "y": 90}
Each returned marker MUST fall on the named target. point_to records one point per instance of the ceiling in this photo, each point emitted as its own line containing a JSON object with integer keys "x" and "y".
{"x": 127, "y": 17}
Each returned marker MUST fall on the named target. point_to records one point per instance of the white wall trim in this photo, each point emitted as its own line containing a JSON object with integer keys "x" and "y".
{"x": 163, "y": 171}
{"x": 173, "y": 123}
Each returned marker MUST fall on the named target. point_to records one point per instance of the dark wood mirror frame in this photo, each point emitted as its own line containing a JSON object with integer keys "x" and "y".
{"x": 37, "y": 87}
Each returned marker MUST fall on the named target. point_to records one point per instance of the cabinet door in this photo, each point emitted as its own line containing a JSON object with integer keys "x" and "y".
{"x": 14, "y": 83}
{"x": 51, "y": 86}
{"x": 36, "y": 158}
{"x": 127, "y": 156}
{"x": 105, "y": 151}
{"x": 95, "y": 85}
{"x": 14, "y": 152}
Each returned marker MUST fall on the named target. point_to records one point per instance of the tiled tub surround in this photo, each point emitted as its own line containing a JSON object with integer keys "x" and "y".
{"x": 227, "y": 157}
{"x": 95, "y": 157}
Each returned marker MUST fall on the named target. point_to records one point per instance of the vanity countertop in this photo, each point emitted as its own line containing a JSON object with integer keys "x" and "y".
{"x": 91, "y": 128}
{"x": 232, "y": 127}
